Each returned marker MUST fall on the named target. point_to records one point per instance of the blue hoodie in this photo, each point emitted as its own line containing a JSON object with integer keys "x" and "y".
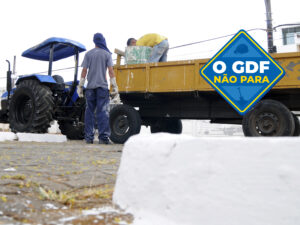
{"x": 100, "y": 42}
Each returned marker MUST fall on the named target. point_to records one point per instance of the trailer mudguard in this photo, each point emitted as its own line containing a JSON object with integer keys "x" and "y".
{"x": 40, "y": 78}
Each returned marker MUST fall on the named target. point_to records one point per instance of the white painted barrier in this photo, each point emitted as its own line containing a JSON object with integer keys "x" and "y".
{"x": 174, "y": 179}
{"x": 41, "y": 137}
{"x": 29, "y": 137}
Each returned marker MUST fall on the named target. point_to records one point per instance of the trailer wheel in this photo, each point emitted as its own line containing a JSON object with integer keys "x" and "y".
{"x": 124, "y": 122}
{"x": 297, "y": 126}
{"x": 268, "y": 118}
{"x": 31, "y": 108}
{"x": 169, "y": 125}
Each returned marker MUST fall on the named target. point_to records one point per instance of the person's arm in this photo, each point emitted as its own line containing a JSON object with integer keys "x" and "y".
{"x": 83, "y": 73}
{"x": 114, "y": 92}
{"x": 113, "y": 81}
{"x": 81, "y": 82}
{"x": 85, "y": 66}
{"x": 111, "y": 72}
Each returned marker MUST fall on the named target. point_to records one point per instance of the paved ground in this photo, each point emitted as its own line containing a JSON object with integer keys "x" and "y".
{"x": 59, "y": 183}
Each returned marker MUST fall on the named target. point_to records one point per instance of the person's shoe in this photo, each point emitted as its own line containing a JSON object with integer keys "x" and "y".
{"x": 89, "y": 141}
{"x": 105, "y": 142}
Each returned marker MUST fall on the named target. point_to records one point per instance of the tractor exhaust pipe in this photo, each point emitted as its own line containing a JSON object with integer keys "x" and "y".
{"x": 8, "y": 80}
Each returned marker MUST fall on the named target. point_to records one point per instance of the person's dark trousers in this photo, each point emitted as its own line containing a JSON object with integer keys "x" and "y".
{"x": 97, "y": 99}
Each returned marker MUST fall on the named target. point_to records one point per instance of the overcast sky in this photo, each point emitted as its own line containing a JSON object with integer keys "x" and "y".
{"x": 27, "y": 23}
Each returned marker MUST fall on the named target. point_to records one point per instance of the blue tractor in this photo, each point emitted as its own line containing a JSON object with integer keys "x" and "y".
{"x": 38, "y": 99}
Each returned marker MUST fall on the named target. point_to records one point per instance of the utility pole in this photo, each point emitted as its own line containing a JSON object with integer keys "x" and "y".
{"x": 271, "y": 47}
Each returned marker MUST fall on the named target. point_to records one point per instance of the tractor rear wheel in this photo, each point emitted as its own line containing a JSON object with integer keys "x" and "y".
{"x": 31, "y": 108}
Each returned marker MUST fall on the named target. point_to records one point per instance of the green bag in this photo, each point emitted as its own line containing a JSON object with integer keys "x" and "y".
{"x": 137, "y": 54}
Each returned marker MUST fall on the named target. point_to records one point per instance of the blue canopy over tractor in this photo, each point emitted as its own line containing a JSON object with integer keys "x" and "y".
{"x": 63, "y": 48}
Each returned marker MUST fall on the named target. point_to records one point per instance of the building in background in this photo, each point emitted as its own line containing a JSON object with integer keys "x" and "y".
{"x": 288, "y": 39}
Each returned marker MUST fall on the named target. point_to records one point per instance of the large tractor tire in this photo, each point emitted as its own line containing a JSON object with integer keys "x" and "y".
{"x": 269, "y": 118}
{"x": 74, "y": 130}
{"x": 168, "y": 125}
{"x": 124, "y": 122}
{"x": 31, "y": 108}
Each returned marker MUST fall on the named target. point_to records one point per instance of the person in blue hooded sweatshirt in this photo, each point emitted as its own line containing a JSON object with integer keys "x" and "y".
{"x": 94, "y": 66}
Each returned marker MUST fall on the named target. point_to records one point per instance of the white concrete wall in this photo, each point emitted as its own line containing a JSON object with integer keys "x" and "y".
{"x": 176, "y": 179}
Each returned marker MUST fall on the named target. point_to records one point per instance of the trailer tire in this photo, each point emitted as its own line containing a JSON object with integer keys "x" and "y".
{"x": 31, "y": 108}
{"x": 268, "y": 118}
{"x": 168, "y": 125}
{"x": 297, "y": 126}
{"x": 124, "y": 122}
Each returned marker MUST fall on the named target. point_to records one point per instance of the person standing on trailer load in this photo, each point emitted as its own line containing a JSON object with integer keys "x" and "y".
{"x": 158, "y": 42}
{"x": 94, "y": 66}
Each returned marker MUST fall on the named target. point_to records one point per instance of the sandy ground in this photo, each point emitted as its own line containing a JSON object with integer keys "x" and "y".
{"x": 59, "y": 183}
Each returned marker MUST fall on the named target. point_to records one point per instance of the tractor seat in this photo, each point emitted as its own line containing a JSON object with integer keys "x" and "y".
{"x": 60, "y": 83}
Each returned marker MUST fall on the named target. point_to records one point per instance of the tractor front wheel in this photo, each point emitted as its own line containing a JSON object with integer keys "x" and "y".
{"x": 72, "y": 129}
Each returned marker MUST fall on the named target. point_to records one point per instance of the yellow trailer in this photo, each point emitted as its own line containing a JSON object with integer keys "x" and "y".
{"x": 159, "y": 95}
